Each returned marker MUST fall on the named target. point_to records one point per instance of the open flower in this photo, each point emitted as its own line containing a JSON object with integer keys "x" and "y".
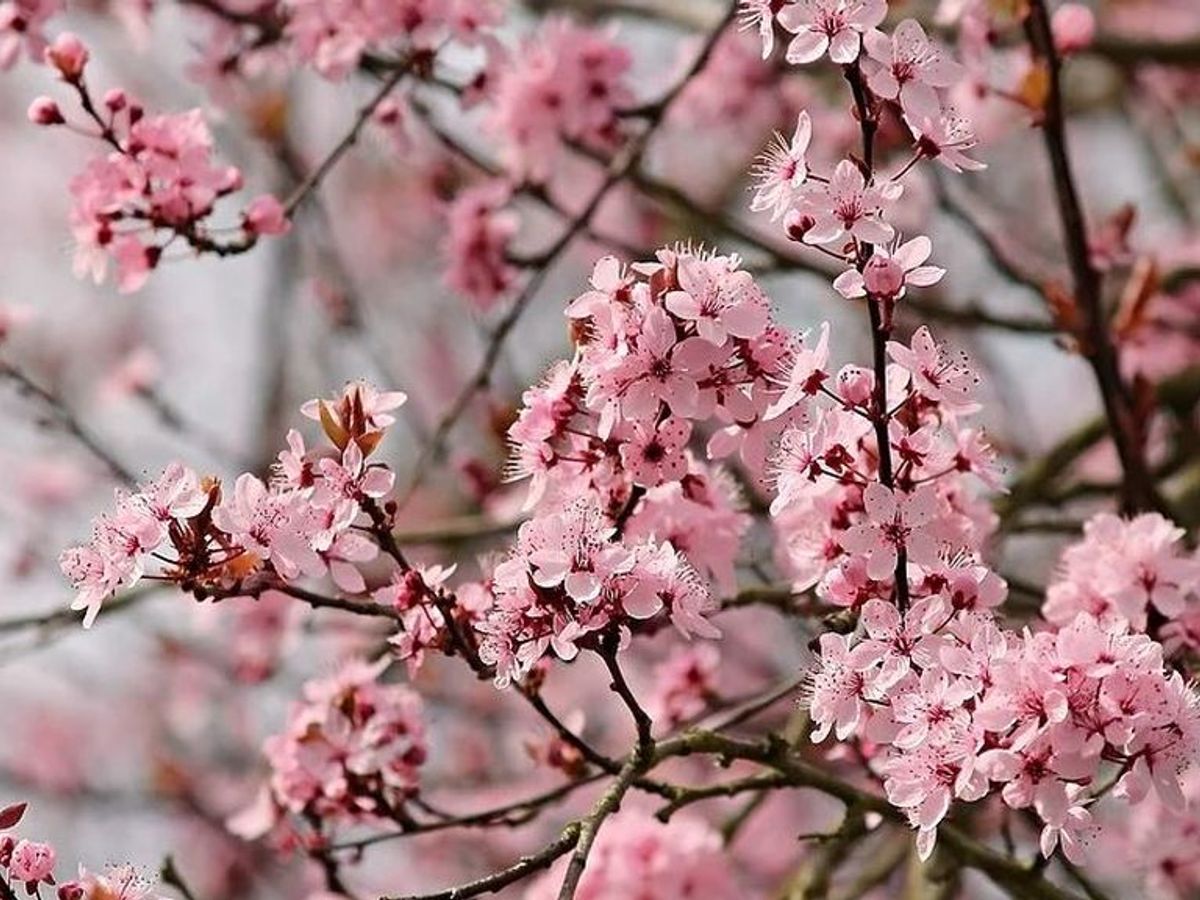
{"x": 895, "y": 522}
{"x": 908, "y": 66}
{"x": 782, "y": 170}
{"x": 833, "y": 25}
{"x": 848, "y": 207}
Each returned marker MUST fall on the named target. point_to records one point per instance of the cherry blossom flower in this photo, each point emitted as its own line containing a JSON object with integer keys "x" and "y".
{"x": 943, "y": 136}
{"x": 782, "y": 170}
{"x": 32, "y": 862}
{"x": 937, "y": 376}
{"x": 836, "y": 26}
{"x": 476, "y": 246}
{"x": 759, "y": 15}
{"x": 22, "y": 27}
{"x": 908, "y": 66}
{"x": 655, "y": 454}
{"x": 847, "y": 207}
{"x": 839, "y": 694}
{"x": 895, "y": 522}
{"x": 721, "y": 300}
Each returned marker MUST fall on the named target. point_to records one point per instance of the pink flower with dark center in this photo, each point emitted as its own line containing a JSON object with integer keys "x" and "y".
{"x": 944, "y": 136}
{"x": 833, "y": 25}
{"x": 847, "y": 207}
{"x": 895, "y": 522}
{"x": 908, "y": 66}
{"x": 654, "y": 453}
{"x": 935, "y": 374}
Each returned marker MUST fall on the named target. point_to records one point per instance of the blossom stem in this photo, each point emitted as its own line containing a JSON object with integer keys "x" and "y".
{"x": 880, "y": 324}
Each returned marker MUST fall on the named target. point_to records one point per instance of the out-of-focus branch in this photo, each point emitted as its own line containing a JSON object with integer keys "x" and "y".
{"x": 1139, "y": 491}
{"x": 68, "y": 422}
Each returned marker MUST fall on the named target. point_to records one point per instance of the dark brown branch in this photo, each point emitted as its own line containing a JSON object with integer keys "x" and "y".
{"x": 1139, "y": 491}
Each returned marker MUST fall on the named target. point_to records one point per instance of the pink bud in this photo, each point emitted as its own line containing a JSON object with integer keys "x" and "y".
{"x": 115, "y": 100}
{"x": 797, "y": 224}
{"x": 855, "y": 385}
{"x": 68, "y": 55}
{"x": 883, "y": 276}
{"x": 1073, "y": 27}
{"x": 44, "y": 111}
{"x": 266, "y": 215}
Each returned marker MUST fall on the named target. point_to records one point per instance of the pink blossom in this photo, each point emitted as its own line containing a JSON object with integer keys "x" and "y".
{"x": 266, "y": 215}
{"x": 68, "y": 54}
{"x": 566, "y": 83}
{"x": 1073, "y": 26}
{"x": 847, "y": 207}
{"x": 782, "y": 170}
{"x": 655, "y": 454}
{"x": 480, "y": 229}
{"x": 833, "y": 25}
{"x": 32, "y": 862}
{"x": 895, "y": 522}
{"x": 23, "y": 26}
{"x": 944, "y": 136}
{"x": 908, "y": 66}
{"x": 935, "y": 374}
{"x": 839, "y": 694}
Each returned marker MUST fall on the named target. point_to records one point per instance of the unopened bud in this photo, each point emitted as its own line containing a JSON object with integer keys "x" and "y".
{"x": 44, "y": 111}
{"x": 68, "y": 55}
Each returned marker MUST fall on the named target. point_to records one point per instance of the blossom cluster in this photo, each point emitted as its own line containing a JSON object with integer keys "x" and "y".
{"x": 1126, "y": 569}
{"x": 840, "y": 527}
{"x": 334, "y": 37}
{"x": 262, "y": 535}
{"x": 351, "y": 751}
{"x": 570, "y": 577}
{"x": 156, "y": 184}
{"x": 958, "y": 707}
{"x": 561, "y": 89}
{"x": 564, "y": 84}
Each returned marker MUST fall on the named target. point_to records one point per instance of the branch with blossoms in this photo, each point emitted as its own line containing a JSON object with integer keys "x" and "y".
{"x": 733, "y": 586}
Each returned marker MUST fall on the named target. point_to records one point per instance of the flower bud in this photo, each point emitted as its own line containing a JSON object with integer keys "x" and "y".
{"x": 44, "y": 111}
{"x": 266, "y": 215}
{"x": 115, "y": 100}
{"x": 68, "y": 55}
{"x": 71, "y": 890}
{"x": 883, "y": 276}
{"x": 797, "y": 224}
{"x": 855, "y": 385}
{"x": 1073, "y": 28}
